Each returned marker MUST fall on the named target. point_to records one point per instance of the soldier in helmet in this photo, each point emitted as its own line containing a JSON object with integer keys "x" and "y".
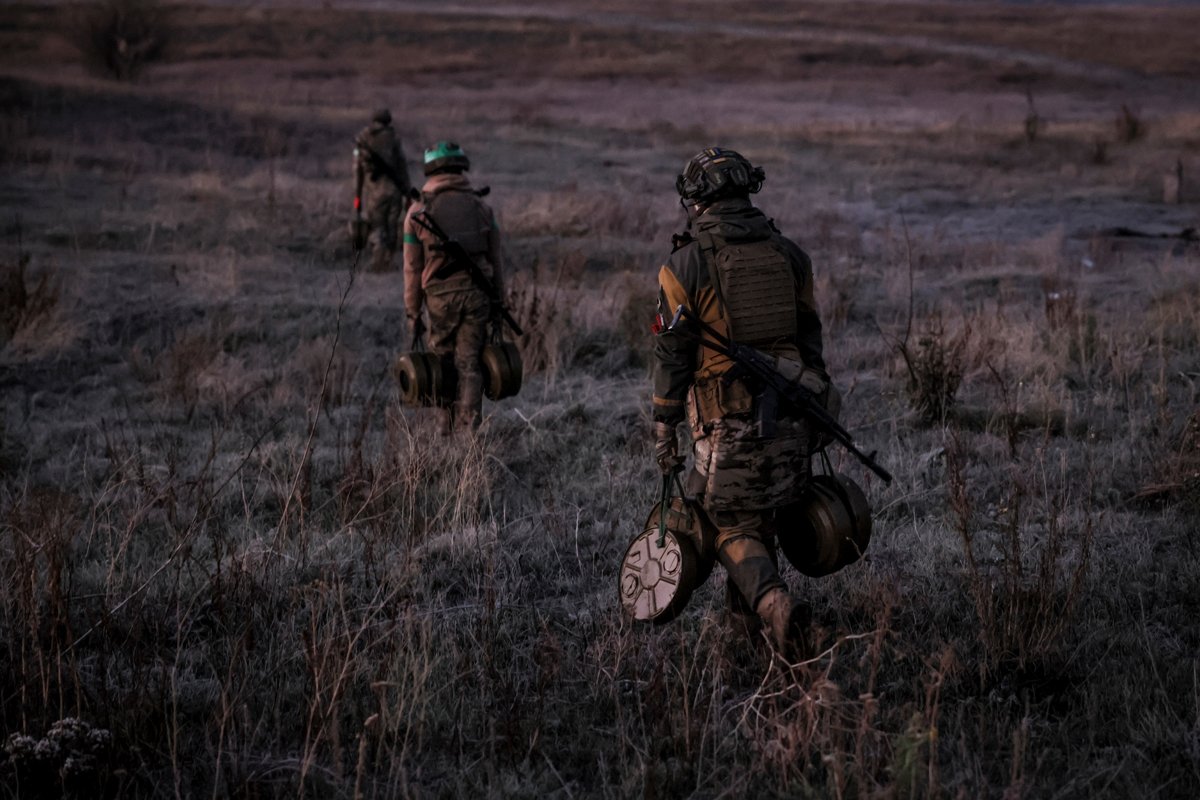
{"x": 381, "y": 171}
{"x": 734, "y": 270}
{"x": 459, "y": 310}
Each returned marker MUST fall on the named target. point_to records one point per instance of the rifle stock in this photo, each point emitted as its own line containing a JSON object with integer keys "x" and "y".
{"x": 761, "y": 367}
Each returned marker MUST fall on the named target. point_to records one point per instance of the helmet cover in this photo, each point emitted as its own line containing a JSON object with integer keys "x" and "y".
{"x": 716, "y": 172}
{"x": 445, "y": 156}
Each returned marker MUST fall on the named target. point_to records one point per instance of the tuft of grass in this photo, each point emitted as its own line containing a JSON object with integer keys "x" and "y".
{"x": 119, "y": 38}
{"x": 1026, "y": 559}
{"x": 1129, "y": 125}
{"x": 1034, "y": 123}
{"x": 935, "y": 366}
{"x": 23, "y": 305}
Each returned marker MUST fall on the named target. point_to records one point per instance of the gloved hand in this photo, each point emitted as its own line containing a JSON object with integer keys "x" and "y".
{"x": 416, "y": 326}
{"x": 666, "y": 448}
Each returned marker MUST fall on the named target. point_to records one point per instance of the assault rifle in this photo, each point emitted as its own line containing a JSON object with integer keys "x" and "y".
{"x": 761, "y": 368}
{"x": 459, "y": 258}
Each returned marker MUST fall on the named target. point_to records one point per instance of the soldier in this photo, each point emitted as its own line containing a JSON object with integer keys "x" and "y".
{"x": 735, "y": 271}
{"x": 459, "y": 310}
{"x": 379, "y": 164}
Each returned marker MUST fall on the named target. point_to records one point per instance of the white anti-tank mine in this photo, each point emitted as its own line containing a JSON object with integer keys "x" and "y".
{"x": 663, "y": 565}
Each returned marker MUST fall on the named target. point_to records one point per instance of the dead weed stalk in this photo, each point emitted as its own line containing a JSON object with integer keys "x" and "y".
{"x": 24, "y": 306}
{"x": 1026, "y": 562}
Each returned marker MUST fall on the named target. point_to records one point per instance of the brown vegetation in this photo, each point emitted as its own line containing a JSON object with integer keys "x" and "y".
{"x": 120, "y": 37}
{"x": 236, "y": 567}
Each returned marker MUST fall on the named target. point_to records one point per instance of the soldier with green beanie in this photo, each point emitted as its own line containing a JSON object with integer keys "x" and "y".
{"x": 459, "y": 311}
{"x": 381, "y": 186}
{"x": 736, "y": 272}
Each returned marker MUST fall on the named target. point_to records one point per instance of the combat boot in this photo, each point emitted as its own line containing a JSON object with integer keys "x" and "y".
{"x": 445, "y": 422}
{"x": 739, "y": 616}
{"x": 787, "y": 620}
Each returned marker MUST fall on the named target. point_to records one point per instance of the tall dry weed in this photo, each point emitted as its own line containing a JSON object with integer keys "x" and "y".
{"x": 539, "y": 303}
{"x": 1026, "y": 558}
{"x": 121, "y": 37}
{"x": 935, "y": 365}
{"x": 25, "y": 306}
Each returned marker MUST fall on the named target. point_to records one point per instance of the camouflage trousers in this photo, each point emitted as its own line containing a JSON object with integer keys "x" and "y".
{"x": 384, "y": 216}
{"x": 743, "y": 479}
{"x": 744, "y": 472}
{"x": 746, "y": 548}
{"x": 458, "y": 323}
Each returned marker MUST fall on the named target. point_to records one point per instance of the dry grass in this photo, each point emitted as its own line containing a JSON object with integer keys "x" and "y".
{"x": 27, "y": 306}
{"x": 120, "y": 38}
{"x": 237, "y": 568}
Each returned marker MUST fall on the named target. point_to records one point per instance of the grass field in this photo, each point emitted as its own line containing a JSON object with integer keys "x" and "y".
{"x": 234, "y": 566}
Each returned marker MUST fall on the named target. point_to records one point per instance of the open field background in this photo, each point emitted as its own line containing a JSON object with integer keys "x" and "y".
{"x": 248, "y": 572}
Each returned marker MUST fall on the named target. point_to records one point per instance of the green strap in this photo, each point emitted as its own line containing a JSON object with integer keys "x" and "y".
{"x": 664, "y": 507}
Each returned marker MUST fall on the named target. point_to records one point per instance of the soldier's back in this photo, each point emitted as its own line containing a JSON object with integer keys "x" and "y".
{"x": 381, "y": 142}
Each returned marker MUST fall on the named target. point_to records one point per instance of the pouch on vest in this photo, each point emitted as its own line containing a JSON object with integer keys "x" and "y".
{"x": 717, "y": 398}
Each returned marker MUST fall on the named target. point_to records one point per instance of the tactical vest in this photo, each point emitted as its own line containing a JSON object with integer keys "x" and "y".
{"x": 755, "y": 285}
{"x": 461, "y": 216}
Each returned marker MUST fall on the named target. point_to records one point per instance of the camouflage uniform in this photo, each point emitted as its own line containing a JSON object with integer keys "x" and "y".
{"x": 384, "y": 198}
{"x": 459, "y": 311}
{"x": 742, "y": 472}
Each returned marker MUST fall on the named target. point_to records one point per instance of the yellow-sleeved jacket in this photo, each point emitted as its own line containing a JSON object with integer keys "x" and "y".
{"x": 682, "y": 366}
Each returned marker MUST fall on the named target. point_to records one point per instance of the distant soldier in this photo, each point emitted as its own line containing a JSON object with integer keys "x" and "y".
{"x": 459, "y": 310}
{"x": 735, "y": 271}
{"x": 380, "y": 168}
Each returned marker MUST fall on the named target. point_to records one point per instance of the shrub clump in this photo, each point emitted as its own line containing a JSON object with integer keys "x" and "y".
{"x": 71, "y": 760}
{"x": 20, "y": 303}
{"x": 119, "y": 37}
{"x": 935, "y": 370}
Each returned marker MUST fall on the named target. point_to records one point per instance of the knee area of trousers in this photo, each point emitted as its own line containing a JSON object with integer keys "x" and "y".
{"x": 742, "y": 548}
{"x": 468, "y": 370}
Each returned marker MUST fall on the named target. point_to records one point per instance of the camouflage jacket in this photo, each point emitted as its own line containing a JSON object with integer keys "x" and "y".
{"x": 373, "y": 143}
{"x": 740, "y": 468}
{"x": 680, "y": 365}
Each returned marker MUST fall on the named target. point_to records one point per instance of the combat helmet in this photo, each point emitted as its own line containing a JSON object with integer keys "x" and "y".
{"x": 445, "y": 156}
{"x": 716, "y": 172}
{"x": 382, "y": 116}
